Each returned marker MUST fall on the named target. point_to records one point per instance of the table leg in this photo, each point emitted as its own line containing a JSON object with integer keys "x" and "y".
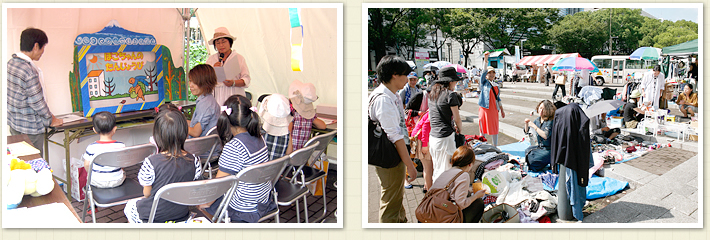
{"x": 67, "y": 141}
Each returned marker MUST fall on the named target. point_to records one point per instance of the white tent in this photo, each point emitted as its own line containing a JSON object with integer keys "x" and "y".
{"x": 262, "y": 38}
{"x": 62, "y": 25}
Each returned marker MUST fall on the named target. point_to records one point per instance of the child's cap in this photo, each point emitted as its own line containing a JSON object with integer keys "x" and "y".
{"x": 302, "y": 96}
{"x": 275, "y": 111}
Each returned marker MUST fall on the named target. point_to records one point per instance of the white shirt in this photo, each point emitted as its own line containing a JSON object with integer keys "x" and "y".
{"x": 381, "y": 111}
{"x": 103, "y": 173}
{"x": 651, "y": 87}
{"x": 584, "y": 78}
{"x": 222, "y": 92}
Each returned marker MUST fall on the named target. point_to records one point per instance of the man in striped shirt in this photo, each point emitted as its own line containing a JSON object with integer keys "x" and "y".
{"x": 27, "y": 111}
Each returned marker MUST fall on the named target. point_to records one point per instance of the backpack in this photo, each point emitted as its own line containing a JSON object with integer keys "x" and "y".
{"x": 437, "y": 206}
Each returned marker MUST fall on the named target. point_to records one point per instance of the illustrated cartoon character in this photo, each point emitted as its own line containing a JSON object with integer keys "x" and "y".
{"x": 138, "y": 89}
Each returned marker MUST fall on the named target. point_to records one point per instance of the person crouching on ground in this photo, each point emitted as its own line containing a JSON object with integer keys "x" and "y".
{"x": 538, "y": 157}
{"x": 632, "y": 113}
{"x": 471, "y": 206}
{"x": 688, "y": 101}
{"x": 597, "y": 125}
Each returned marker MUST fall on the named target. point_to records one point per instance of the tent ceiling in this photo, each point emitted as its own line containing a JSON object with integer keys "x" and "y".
{"x": 263, "y": 38}
{"x": 686, "y": 48}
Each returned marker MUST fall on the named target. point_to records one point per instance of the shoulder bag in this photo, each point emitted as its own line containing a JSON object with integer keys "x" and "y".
{"x": 381, "y": 151}
{"x": 437, "y": 206}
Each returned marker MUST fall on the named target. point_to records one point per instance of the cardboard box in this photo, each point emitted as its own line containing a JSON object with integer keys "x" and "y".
{"x": 615, "y": 122}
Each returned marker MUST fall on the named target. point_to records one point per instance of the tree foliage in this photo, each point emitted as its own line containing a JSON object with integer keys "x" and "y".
{"x": 381, "y": 24}
{"x": 466, "y": 25}
{"x": 505, "y": 27}
{"x": 589, "y": 33}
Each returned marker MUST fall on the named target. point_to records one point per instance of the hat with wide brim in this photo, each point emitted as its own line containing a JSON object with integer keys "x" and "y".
{"x": 489, "y": 68}
{"x": 635, "y": 94}
{"x": 448, "y": 74}
{"x": 275, "y": 112}
{"x": 221, "y": 32}
{"x": 302, "y": 96}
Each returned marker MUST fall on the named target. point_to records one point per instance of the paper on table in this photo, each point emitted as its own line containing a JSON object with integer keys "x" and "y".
{"x": 22, "y": 149}
{"x": 328, "y": 121}
{"x": 48, "y": 215}
{"x": 70, "y": 118}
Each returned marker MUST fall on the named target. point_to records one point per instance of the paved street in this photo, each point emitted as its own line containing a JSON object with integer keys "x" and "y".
{"x": 663, "y": 184}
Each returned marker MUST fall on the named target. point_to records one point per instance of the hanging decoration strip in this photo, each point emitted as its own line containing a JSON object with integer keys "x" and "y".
{"x": 297, "y": 47}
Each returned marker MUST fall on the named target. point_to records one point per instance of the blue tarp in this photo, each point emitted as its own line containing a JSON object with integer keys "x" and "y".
{"x": 516, "y": 149}
{"x": 598, "y": 187}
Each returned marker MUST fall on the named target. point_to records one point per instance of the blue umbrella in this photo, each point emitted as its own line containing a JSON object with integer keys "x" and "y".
{"x": 646, "y": 53}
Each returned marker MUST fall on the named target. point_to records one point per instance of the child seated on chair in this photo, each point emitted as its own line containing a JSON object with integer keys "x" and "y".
{"x": 202, "y": 83}
{"x": 170, "y": 165}
{"x": 276, "y": 114}
{"x": 302, "y": 96}
{"x": 238, "y": 128}
{"x": 104, "y": 176}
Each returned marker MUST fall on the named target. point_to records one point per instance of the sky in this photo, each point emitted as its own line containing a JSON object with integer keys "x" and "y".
{"x": 674, "y": 14}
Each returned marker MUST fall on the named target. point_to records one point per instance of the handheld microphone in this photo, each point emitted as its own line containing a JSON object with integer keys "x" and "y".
{"x": 221, "y": 56}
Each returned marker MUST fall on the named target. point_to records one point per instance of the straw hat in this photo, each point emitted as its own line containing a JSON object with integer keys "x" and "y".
{"x": 489, "y": 68}
{"x": 635, "y": 94}
{"x": 221, "y": 32}
{"x": 302, "y": 96}
{"x": 276, "y": 114}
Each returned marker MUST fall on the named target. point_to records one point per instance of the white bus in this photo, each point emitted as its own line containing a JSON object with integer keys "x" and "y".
{"x": 619, "y": 69}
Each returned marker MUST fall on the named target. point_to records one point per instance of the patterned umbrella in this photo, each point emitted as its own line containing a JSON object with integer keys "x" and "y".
{"x": 646, "y": 53}
{"x": 575, "y": 64}
{"x": 459, "y": 68}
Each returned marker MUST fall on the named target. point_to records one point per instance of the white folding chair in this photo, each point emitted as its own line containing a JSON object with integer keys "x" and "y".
{"x": 310, "y": 174}
{"x": 257, "y": 174}
{"x": 130, "y": 189}
{"x": 290, "y": 191}
{"x": 200, "y": 146}
{"x": 194, "y": 193}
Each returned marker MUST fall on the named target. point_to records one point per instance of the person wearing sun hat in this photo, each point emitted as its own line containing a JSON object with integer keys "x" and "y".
{"x": 236, "y": 70}
{"x": 489, "y": 104}
{"x": 632, "y": 113}
{"x": 443, "y": 108}
{"x": 302, "y": 96}
{"x": 276, "y": 115}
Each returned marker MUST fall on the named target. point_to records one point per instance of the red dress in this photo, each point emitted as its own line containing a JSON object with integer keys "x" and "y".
{"x": 488, "y": 118}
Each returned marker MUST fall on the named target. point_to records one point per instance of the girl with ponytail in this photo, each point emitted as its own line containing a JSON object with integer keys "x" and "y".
{"x": 238, "y": 128}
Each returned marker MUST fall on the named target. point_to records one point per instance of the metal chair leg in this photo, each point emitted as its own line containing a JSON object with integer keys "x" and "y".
{"x": 305, "y": 205}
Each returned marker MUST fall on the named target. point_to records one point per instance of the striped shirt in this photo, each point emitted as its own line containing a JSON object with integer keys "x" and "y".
{"x": 157, "y": 171}
{"x": 102, "y": 173}
{"x": 239, "y": 153}
{"x": 27, "y": 111}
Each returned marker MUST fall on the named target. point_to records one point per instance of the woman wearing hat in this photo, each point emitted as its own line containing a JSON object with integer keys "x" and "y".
{"x": 235, "y": 67}
{"x": 489, "y": 104}
{"x": 632, "y": 113}
{"x": 443, "y": 107}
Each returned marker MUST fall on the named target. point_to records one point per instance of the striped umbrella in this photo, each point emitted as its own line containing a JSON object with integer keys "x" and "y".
{"x": 575, "y": 64}
{"x": 646, "y": 53}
